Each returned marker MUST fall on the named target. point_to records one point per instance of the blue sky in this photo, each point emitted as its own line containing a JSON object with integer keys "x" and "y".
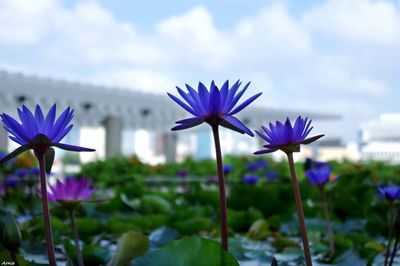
{"x": 334, "y": 56}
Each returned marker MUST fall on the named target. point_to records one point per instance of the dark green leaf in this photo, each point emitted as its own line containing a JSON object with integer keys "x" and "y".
{"x": 49, "y": 159}
{"x": 193, "y": 251}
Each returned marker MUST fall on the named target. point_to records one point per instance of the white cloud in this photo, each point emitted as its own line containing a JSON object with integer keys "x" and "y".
{"x": 22, "y": 21}
{"x": 140, "y": 79}
{"x": 194, "y": 40}
{"x": 359, "y": 21}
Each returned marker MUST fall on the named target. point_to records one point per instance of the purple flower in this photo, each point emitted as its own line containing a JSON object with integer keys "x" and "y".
{"x": 24, "y": 172}
{"x": 71, "y": 192}
{"x": 212, "y": 180}
{"x": 286, "y": 137}
{"x": 215, "y": 107}
{"x": 310, "y": 164}
{"x": 250, "y": 179}
{"x": 38, "y": 132}
{"x": 11, "y": 181}
{"x": 389, "y": 193}
{"x": 257, "y": 165}
{"x": 319, "y": 176}
{"x": 271, "y": 175}
{"x": 227, "y": 169}
{"x": 183, "y": 173}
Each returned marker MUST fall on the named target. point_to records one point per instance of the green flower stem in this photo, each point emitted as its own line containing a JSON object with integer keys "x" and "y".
{"x": 300, "y": 212}
{"x": 394, "y": 249}
{"x": 14, "y": 257}
{"x": 222, "y": 197}
{"x": 46, "y": 213}
{"x": 390, "y": 229}
{"x": 328, "y": 224}
{"x": 76, "y": 238}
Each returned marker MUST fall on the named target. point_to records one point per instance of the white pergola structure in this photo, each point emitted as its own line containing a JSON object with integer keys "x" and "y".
{"x": 112, "y": 108}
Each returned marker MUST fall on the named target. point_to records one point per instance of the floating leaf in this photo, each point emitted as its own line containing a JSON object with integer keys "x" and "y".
{"x": 130, "y": 245}
{"x": 193, "y": 251}
{"x": 163, "y": 236}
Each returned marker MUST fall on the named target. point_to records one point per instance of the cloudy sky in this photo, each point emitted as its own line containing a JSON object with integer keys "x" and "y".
{"x": 334, "y": 56}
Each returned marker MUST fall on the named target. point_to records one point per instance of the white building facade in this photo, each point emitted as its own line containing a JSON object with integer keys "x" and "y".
{"x": 380, "y": 139}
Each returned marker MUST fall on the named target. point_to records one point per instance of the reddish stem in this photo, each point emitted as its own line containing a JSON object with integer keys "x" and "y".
{"x": 300, "y": 212}
{"x": 390, "y": 226}
{"x": 46, "y": 213}
{"x": 222, "y": 197}
{"x": 328, "y": 224}
{"x": 76, "y": 238}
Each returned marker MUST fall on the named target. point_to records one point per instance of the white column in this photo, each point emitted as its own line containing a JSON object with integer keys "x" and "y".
{"x": 113, "y": 128}
{"x": 170, "y": 142}
{"x": 3, "y": 140}
{"x": 204, "y": 145}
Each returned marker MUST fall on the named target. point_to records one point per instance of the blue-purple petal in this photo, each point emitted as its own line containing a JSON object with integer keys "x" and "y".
{"x": 237, "y": 124}
{"x": 69, "y": 147}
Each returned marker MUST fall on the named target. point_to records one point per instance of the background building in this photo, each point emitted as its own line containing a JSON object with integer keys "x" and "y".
{"x": 380, "y": 139}
{"x": 116, "y": 121}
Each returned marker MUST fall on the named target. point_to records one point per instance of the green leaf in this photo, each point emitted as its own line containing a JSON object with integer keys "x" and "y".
{"x": 49, "y": 160}
{"x": 95, "y": 255}
{"x": 259, "y": 230}
{"x": 155, "y": 204}
{"x": 130, "y": 245}
{"x": 162, "y": 236}
{"x": 194, "y": 251}
{"x": 6, "y": 259}
{"x": 11, "y": 234}
{"x": 88, "y": 226}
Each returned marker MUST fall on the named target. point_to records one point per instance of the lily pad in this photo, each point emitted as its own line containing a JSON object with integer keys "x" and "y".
{"x": 194, "y": 251}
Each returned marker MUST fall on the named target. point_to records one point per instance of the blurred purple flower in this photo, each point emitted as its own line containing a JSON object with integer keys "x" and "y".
{"x": 310, "y": 164}
{"x": 271, "y": 175}
{"x": 286, "y": 137}
{"x": 250, "y": 179}
{"x": 37, "y": 132}
{"x": 183, "y": 173}
{"x": 256, "y": 165}
{"x": 11, "y": 181}
{"x": 227, "y": 169}
{"x": 29, "y": 171}
{"x": 319, "y": 176}
{"x": 71, "y": 192}
{"x": 212, "y": 180}
{"x": 389, "y": 193}
{"x": 214, "y": 106}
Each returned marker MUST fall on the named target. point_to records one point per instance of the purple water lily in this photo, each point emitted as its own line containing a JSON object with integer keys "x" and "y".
{"x": 257, "y": 165}
{"x": 389, "y": 193}
{"x": 38, "y": 132}
{"x": 71, "y": 191}
{"x": 212, "y": 180}
{"x": 183, "y": 173}
{"x": 319, "y": 176}
{"x": 250, "y": 179}
{"x": 271, "y": 175}
{"x": 69, "y": 194}
{"x": 25, "y": 172}
{"x": 310, "y": 164}
{"x": 228, "y": 169}
{"x": 286, "y": 137}
{"x": 214, "y": 106}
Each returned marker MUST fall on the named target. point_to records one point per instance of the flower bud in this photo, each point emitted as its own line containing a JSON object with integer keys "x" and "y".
{"x": 11, "y": 234}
